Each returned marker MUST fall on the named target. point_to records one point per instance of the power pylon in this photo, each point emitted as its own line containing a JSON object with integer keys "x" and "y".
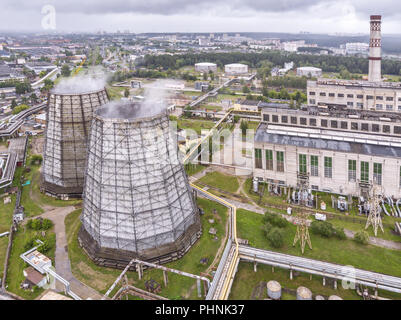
{"x": 374, "y": 217}
{"x": 302, "y": 231}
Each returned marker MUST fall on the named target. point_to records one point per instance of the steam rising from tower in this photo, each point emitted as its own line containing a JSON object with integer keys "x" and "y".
{"x": 375, "y": 49}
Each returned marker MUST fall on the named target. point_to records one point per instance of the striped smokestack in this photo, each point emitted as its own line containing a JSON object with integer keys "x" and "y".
{"x": 375, "y": 49}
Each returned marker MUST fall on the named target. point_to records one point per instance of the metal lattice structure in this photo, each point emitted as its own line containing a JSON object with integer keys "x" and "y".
{"x": 69, "y": 118}
{"x": 374, "y": 217}
{"x": 302, "y": 234}
{"x": 137, "y": 200}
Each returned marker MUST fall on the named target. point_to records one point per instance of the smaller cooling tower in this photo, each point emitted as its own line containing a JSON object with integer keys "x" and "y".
{"x": 137, "y": 202}
{"x": 69, "y": 116}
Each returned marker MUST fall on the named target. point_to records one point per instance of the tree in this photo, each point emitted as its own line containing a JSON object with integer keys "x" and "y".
{"x": 211, "y": 75}
{"x": 245, "y": 89}
{"x": 362, "y": 237}
{"x": 34, "y": 98}
{"x": 205, "y": 76}
{"x": 65, "y": 70}
{"x": 20, "y": 108}
{"x": 322, "y": 228}
{"x": 13, "y": 104}
{"x": 276, "y": 237}
{"x": 126, "y": 92}
{"x": 244, "y": 127}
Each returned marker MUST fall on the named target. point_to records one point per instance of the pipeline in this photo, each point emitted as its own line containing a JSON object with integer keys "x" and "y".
{"x": 384, "y": 208}
{"x": 391, "y": 203}
{"x": 397, "y": 206}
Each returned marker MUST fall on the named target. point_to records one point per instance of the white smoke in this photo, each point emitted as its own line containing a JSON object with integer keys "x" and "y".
{"x": 94, "y": 79}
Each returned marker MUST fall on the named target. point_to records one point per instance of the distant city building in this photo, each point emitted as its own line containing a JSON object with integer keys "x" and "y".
{"x": 236, "y": 68}
{"x": 309, "y": 72}
{"x": 357, "y": 48}
{"x": 292, "y": 46}
{"x": 205, "y": 67}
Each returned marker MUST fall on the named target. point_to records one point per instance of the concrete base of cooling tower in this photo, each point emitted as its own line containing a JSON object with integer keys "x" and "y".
{"x": 62, "y": 193}
{"x": 114, "y": 258}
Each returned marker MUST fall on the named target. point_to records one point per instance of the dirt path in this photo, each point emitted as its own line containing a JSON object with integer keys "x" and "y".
{"x": 388, "y": 244}
{"x": 62, "y": 262}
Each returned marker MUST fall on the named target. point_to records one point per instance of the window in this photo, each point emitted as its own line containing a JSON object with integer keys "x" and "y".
{"x": 332, "y": 95}
{"x": 379, "y": 97}
{"x": 275, "y": 118}
{"x": 389, "y": 107}
{"x": 379, "y": 106}
{"x": 284, "y": 119}
{"x": 351, "y": 170}
{"x": 375, "y": 127}
{"x": 312, "y": 101}
{"x": 328, "y": 167}
{"x": 389, "y": 99}
{"x": 359, "y": 105}
{"x": 365, "y": 171}
{"x": 312, "y": 122}
{"x": 312, "y": 93}
{"x": 377, "y": 173}
{"x": 333, "y": 123}
{"x": 340, "y": 95}
{"x": 280, "y": 161}
{"x": 365, "y": 126}
{"x": 359, "y": 96}
{"x": 350, "y": 95}
{"x": 294, "y": 120}
{"x": 399, "y": 108}
{"x": 399, "y": 99}
{"x": 302, "y": 121}
{"x": 350, "y": 104}
{"x": 344, "y": 125}
{"x": 302, "y": 163}
{"x": 314, "y": 166}
{"x": 258, "y": 158}
{"x": 323, "y": 123}
{"x": 322, "y": 94}
{"x": 269, "y": 159}
{"x": 354, "y": 125}
{"x": 266, "y": 117}
{"x": 397, "y": 129}
{"x": 386, "y": 128}
{"x": 369, "y": 97}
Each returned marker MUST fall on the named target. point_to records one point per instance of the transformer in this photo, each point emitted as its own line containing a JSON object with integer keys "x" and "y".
{"x": 64, "y": 157}
{"x": 137, "y": 202}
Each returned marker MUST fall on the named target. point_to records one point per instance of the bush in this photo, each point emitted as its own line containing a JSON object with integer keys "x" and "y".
{"x": 36, "y": 224}
{"x": 362, "y": 237}
{"x": 267, "y": 227}
{"x": 46, "y": 224}
{"x": 275, "y": 220}
{"x": 29, "y": 244}
{"x": 340, "y": 234}
{"x": 322, "y": 228}
{"x": 276, "y": 237}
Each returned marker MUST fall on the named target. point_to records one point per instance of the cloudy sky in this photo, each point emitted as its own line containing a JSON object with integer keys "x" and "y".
{"x": 316, "y": 16}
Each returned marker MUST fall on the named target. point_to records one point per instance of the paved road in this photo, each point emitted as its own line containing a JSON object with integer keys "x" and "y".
{"x": 62, "y": 262}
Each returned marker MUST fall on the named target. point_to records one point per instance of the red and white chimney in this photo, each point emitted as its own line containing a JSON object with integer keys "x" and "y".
{"x": 375, "y": 47}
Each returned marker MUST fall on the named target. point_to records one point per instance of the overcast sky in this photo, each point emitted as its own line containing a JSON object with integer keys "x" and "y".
{"x": 316, "y": 16}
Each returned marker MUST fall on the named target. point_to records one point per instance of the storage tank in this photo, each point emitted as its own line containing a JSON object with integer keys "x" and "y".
{"x": 334, "y": 297}
{"x": 137, "y": 202}
{"x": 274, "y": 290}
{"x": 69, "y": 115}
{"x": 318, "y": 297}
{"x": 304, "y": 294}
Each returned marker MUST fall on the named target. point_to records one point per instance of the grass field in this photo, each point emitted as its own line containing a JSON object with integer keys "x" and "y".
{"x": 17, "y": 265}
{"x": 197, "y": 125}
{"x": 246, "y": 280}
{"x": 3, "y": 249}
{"x": 346, "y": 252}
{"x": 179, "y": 287}
{"x": 192, "y": 169}
{"x": 221, "y": 181}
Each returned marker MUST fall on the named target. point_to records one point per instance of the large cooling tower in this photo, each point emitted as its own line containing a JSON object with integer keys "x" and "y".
{"x": 69, "y": 118}
{"x": 137, "y": 200}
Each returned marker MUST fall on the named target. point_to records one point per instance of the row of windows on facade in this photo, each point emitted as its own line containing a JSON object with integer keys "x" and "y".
{"x": 314, "y": 166}
{"x": 333, "y": 124}
{"x": 359, "y": 105}
{"x": 359, "y": 96}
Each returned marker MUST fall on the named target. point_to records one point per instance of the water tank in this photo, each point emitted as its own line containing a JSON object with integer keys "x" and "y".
{"x": 274, "y": 290}
{"x": 304, "y": 294}
{"x": 318, "y": 297}
{"x": 334, "y": 297}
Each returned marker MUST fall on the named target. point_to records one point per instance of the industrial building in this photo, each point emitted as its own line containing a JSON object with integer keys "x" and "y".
{"x": 236, "y": 68}
{"x": 205, "y": 67}
{"x": 309, "y": 72}
{"x": 137, "y": 201}
{"x": 69, "y": 116}
{"x": 346, "y": 140}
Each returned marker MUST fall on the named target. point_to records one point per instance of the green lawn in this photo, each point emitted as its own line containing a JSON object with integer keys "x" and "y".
{"x": 3, "y": 249}
{"x": 346, "y": 252}
{"x": 246, "y": 280}
{"x": 197, "y": 125}
{"x": 192, "y": 169}
{"x": 17, "y": 265}
{"x": 179, "y": 287}
{"x": 221, "y": 181}
{"x": 115, "y": 93}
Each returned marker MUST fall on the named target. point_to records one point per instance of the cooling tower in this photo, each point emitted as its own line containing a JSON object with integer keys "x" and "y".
{"x": 69, "y": 118}
{"x": 137, "y": 202}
